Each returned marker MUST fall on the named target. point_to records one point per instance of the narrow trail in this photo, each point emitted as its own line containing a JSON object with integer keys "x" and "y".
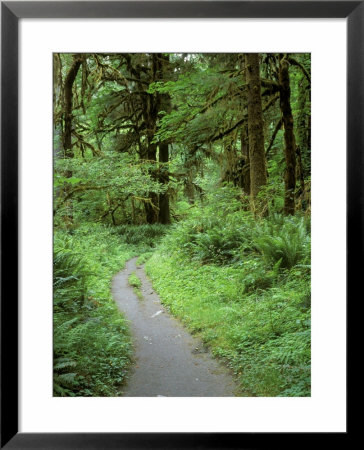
{"x": 169, "y": 361}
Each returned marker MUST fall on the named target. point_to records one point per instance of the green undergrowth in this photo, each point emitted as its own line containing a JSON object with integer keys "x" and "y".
{"x": 144, "y": 258}
{"x": 136, "y": 284}
{"x": 92, "y": 346}
{"x": 247, "y": 296}
{"x": 142, "y": 238}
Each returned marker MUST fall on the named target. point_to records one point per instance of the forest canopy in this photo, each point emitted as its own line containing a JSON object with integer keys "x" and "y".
{"x": 200, "y": 162}
{"x": 132, "y": 130}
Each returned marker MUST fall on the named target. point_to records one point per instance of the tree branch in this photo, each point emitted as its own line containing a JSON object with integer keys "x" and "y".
{"x": 243, "y": 119}
{"x": 275, "y": 132}
{"x": 294, "y": 62}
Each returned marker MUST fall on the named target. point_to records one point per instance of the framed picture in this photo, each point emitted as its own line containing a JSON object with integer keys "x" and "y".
{"x": 32, "y": 33}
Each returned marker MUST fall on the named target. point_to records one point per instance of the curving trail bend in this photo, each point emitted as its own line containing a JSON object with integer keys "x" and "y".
{"x": 169, "y": 362}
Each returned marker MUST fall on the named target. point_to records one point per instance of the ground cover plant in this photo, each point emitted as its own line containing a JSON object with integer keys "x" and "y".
{"x": 249, "y": 303}
{"x": 92, "y": 345}
{"x": 136, "y": 283}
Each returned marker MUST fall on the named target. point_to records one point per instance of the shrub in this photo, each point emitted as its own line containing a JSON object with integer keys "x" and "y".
{"x": 217, "y": 245}
{"x": 143, "y": 237}
{"x": 256, "y": 276}
{"x": 92, "y": 346}
{"x": 283, "y": 240}
{"x": 259, "y": 327}
{"x": 244, "y": 286}
{"x": 212, "y": 238}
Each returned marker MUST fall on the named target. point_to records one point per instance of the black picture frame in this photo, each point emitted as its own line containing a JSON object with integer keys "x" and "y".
{"x": 11, "y": 12}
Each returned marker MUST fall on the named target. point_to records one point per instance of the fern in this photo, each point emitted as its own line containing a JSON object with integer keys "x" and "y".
{"x": 91, "y": 340}
{"x": 63, "y": 363}
{"x": 283, "y": 239}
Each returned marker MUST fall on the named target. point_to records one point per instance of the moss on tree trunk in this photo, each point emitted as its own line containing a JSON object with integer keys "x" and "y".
{"x": 289, "y": 138}
{"x": 164, "y": 213}
{"x": 258, "y": 172}
{"x": 68, "y": 103}
{"x": 67, "y": 131}
{"x": 164, "y": 105}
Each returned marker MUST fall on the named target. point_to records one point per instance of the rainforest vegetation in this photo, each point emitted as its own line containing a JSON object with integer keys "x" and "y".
{"x": 200, "y": 165}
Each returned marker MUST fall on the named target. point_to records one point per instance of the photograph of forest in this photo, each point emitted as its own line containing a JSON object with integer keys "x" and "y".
{"x": 181, "y": 212}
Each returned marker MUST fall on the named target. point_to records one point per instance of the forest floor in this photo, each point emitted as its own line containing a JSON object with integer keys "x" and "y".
{"x": 169, "y": 362}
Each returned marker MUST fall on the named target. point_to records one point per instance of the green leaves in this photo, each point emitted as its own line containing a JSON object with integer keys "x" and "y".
{"x": 283, "y": 240}
{"x": 205, "y": 103}
{"x": 225, "y": 276}
{"x": 101, "y": 184}
{"x": 60, "y": 180}
{"x": 134, "y": 281}
{"x": 92, "y": 346}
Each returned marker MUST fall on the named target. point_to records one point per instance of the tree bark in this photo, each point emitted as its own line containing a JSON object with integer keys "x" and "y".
{"x": 189, "y": 189}
{"x": 164, "y": 216}
{"x": 68, "y": 104}
{"x": 229, "y": 162}
{"x": 245, "y": 169}
{"x": 67, "y": 130}
{"x": 300, "y": 176}
{"x": 164, "y": 212}
{"x": 303, "y": 127}
{"x": 258, "y": 172}
{"x": 302, "y": 147}
{"x": 152, "y": 206}
{"x": 150, "y": 113}
{"x": 289, "y": 138}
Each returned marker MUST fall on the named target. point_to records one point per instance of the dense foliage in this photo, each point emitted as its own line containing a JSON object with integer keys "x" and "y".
{"x": 92, "y": 346}
{"x": 200, "y": 165}
{"x": 244, "y": 287}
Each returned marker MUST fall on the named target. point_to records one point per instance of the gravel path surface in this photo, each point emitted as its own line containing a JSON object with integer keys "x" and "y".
{"x": 169, "y": 361}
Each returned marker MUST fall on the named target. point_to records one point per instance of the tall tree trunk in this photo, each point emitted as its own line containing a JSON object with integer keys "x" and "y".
{"x": 244, "y": 163}
{"x": 230, "y": 163}
{"x": 258, "y": 172}
{"x": 303, "y": 127}
{"x": 189, "y": 189}
{"x": 164, "y": 212}
{"x": 289, "y": 138}
{"x": 300, "y": 177}
{"x": 68, "y": 105}
{"x": 152, "y": 205}
{"x": 151, "y": 109}
{"x": 301, "y": 124}
{"x": 67, "y": 130}
{"x": 245, "y": 170}
{"x": 165, "y": 105}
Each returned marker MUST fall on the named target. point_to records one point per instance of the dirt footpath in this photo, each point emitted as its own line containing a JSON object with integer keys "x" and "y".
{"x": 169, "y": 361}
